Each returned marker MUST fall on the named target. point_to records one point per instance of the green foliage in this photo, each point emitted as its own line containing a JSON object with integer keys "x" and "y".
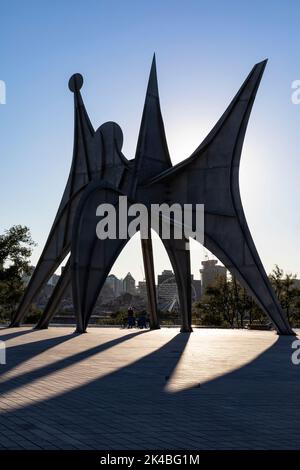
{"x": 120, "y": 317}
{"x": 34, "y": 315}
{"x": 116, "y": 318}
{"x": 169, "y": 318}
{"x": 15, "y": 250}
{"x": 288, "y": 294}
{"x": 226, "y": 304}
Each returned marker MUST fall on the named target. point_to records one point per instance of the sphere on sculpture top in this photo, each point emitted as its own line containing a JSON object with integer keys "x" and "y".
{"x": 76, "y": 82}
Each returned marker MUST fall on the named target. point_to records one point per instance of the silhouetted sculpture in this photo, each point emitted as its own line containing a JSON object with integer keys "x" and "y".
{"x": 101, "y": 173}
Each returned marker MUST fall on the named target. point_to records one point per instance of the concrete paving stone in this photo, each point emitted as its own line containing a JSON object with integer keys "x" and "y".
{"x": 65, "y": 391}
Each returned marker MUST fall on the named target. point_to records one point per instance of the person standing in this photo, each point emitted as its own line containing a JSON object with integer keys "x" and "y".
{"x": 130, "y": 318}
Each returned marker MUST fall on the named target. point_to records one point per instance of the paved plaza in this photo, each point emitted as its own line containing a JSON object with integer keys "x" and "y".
{"x": 134, "y": 389}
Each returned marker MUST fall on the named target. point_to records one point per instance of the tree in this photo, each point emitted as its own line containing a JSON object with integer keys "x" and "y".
{"x": 15, "y": 250}
{"x": 226, "y": 303}
{"x": 296, "y": 311}
{"x": 287, "y": 293}
{"x": 215, "y": 307}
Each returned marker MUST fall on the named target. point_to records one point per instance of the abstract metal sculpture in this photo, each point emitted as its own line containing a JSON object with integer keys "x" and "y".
{"x": 101, "y": 173}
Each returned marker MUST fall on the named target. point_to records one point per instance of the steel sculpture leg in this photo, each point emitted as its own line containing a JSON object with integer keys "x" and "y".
{"x": 180, "y": 259}
{"x": 61, "y": 287}
{"x": 150, "y": 281}
{"x": 92, "y": 258}
{"x": 211, "y": 177}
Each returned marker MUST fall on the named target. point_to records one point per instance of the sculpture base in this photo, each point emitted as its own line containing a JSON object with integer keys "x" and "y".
{"x": 79, "y": 331}
{"x": 184, "y": 329}
{"x": 288, "y": 333}
{"x": 42, "y": 327}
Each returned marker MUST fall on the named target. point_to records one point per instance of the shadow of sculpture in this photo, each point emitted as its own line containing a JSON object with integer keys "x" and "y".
{"x": 9, "y": 334}
{"x": 254, "y": 406}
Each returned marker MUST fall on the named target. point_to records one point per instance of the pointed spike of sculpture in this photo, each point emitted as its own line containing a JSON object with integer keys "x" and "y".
{"x": 243, "y": 99}
{"x": 152, "y": 88}
{"x": 152, "y": 154}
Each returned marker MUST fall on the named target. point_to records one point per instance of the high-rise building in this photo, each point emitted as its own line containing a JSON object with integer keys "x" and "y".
{"x": 210, "y": 272}
{"x": 142, "y": 289}
{"x": 167, "y": 291}
{"x": 166, "y": 274}
{"x": 129, "y": 284}
{"x": 196, "y": 290}
{"x": 115, "y": 284}
{"x": 167, "y": 288}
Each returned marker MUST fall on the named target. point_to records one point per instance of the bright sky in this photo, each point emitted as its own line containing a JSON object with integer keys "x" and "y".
{"x": 204, "y": 51}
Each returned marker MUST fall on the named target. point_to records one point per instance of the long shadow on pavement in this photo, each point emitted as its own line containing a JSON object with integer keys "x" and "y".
{"x": 23, "y": 352}
{"x": 14, "y": 333}
{"x": 56, "y": 366}
{"x": 254, "y": 407}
